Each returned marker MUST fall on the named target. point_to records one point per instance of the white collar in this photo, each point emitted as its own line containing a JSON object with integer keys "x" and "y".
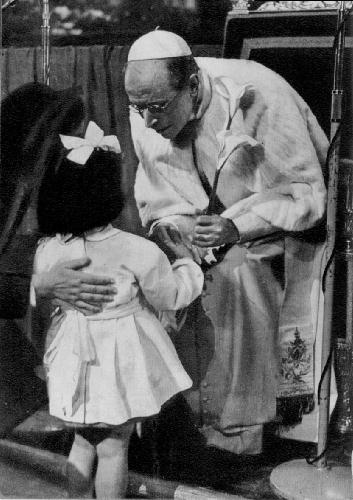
{"x": 96, "y": 234}
{"x": 206, "y": 94}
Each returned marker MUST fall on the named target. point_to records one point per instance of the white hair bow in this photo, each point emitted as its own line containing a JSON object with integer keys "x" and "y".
{"x": 81, "y": 149}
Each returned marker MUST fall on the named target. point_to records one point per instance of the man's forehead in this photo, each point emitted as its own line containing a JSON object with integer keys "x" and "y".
{"x": 147, "y": 75}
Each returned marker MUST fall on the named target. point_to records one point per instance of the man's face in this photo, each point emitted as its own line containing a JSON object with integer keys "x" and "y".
{"x": 147, "y": 83}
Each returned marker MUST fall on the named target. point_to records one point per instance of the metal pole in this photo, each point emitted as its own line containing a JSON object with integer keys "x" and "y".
{"x": 45, "y": 41}
{"x": 336, "y": 116}
{"x": 345, "y": 240}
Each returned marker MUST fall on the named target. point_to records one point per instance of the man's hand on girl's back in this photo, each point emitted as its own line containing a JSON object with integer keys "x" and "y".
{"x": 67, "y": 282}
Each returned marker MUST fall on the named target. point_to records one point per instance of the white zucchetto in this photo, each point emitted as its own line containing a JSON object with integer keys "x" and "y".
{"x": 158, "y": 44}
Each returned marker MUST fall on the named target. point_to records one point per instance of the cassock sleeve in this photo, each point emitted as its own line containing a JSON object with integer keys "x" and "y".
{"x": 291, "y": 195}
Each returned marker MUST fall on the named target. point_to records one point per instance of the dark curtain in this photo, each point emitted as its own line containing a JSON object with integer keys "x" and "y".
{"x": 97, "y": 71}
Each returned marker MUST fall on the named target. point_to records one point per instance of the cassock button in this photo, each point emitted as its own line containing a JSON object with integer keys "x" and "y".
{"x": 205, "y": 399}
{"x": 205, "y": 384}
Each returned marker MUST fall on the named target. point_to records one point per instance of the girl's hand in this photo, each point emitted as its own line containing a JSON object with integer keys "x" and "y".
{"x": 181, "y": 251}
{"x": 176, "y": 245}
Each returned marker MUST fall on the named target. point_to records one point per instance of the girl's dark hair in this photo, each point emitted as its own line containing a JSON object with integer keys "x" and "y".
{"x": 78, "y": 198}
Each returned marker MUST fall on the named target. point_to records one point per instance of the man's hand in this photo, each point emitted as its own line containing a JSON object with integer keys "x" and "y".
{"x": 213, "y": 231}
{"x": 65, "y": 282}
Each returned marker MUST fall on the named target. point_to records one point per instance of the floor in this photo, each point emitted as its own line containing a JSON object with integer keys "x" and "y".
{"x": 222, "y": 471}
{"x": 22, "y": 482}
{"x": 176, "y": 453}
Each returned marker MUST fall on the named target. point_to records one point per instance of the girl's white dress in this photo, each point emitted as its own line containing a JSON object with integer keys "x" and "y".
{"x": 118, "y": 364}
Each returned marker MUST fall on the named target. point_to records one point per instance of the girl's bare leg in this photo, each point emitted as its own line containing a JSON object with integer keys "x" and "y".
{"x": 79, "y": 468}
{"x": 112, "y": 469}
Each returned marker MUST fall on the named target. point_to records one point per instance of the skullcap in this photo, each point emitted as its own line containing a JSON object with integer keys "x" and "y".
{"x": 158, "y": 44}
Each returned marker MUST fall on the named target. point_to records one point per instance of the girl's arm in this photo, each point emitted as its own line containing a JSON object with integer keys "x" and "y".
{"x": 166, "y": 286}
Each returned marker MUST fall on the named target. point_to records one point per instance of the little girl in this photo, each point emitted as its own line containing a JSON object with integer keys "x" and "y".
{"x": 111, "y": 369}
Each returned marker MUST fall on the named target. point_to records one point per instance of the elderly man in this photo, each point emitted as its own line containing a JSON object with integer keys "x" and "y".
{"x": 190, "y": 118}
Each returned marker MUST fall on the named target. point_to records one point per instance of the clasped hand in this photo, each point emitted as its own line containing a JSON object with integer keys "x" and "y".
{"x": 214, "y": 231}
{"x": 170, "y": 240}
{"x": 210, "y": 231}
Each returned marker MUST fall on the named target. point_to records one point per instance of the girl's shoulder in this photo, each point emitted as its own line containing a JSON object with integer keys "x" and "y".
{"x": 136, "y": 250}
{"x": 140, "y": 251}
{"x": 54, "y": 249}
{"x": 59, "y": 241}
{"x": 46, "y": 252}
{"x": 46, "y": 241}
{"x": 139, "y": 244}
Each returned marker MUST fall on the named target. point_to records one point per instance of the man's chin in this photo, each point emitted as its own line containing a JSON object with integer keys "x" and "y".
{"x": 167, "y": 133}
{"x": 183, "y": 136}
{"x": 178, "y": 136}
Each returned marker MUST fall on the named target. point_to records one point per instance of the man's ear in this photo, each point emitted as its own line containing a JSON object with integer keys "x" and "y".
{"x": 194, "y": 82}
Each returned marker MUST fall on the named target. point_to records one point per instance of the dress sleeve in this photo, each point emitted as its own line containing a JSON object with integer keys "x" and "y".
{"x": 166, "y": 286}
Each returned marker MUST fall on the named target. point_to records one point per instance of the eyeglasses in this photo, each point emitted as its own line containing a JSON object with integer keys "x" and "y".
{"x": 153, "y": 108}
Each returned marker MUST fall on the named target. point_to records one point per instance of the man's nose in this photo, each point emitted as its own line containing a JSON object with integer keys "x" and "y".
{"x": 150, "y": 120}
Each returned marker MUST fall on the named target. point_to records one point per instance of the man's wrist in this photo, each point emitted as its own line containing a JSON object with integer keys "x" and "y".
{"x": 236, "y": 238}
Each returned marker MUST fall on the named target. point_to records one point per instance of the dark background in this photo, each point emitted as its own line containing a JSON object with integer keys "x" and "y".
{"x": 118, "y": 22}
{"x": 298, "y": 46}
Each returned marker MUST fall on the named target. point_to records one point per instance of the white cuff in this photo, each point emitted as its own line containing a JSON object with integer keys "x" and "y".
{"x": 162, "y": 222}
{"x": 250, "y": 226}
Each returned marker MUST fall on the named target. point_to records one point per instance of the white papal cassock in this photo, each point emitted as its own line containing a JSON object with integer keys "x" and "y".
{"x": 252, "y": 340}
